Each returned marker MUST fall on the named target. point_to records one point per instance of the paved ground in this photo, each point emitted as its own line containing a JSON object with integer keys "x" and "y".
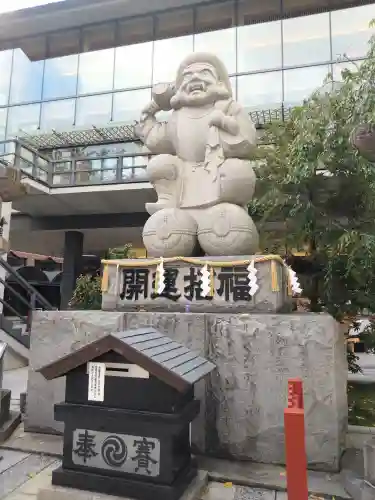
{"x": 23, "y": 475}
{"x": 18, "y": 472}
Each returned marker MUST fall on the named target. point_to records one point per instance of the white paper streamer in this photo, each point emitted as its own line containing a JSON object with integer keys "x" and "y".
{"x": 160, "y": 276}
{"x": 296, "y": 287}
{"x": 205, "y": 281}
{"x": 252, "y": 276}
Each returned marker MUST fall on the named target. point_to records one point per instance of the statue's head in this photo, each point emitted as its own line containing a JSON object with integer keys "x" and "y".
{"x": 201, "y": 79}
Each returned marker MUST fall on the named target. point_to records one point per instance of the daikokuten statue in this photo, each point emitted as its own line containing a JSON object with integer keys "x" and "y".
{"x": 202, "y": 173}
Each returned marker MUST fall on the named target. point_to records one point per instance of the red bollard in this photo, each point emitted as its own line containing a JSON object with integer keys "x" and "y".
{"x": 295, "y": 449}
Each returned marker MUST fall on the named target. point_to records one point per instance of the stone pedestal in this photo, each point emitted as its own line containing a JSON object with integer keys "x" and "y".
{"x": 243, "y": 401}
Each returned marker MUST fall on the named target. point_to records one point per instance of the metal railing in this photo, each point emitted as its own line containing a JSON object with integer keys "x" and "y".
{"x": 79, "y": 171}
{"x": 110, "y": 168}
{"x": 18, "y": 323}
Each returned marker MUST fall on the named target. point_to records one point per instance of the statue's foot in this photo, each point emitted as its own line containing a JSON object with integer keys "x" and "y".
{"x": 170, "y": 232}
{"x": 227, "y": 229}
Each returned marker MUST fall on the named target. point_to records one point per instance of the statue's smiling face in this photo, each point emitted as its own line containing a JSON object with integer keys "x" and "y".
{"x": 200, "y": 85}
{"x": 198, "y": 79}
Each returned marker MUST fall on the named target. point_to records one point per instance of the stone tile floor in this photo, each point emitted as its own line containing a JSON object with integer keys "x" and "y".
{"x": 22, "y": 475}
{"x": 220, "y": 491}
{"x": 255, "y": 475}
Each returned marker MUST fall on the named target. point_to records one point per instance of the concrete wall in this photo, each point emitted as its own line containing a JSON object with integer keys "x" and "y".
{"x": 243, "y": 401}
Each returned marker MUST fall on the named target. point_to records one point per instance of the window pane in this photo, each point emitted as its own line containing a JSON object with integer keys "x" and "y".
{"x": 5, "y": 68}
{"x": 299, "y": 84}
{"x": 60, "y": 77}
{"x": 3, "y": 119}
{"x": 58, "y": 114}
{"x": 127, "y": 106}
{"x": 221, "y": 43}
{"x": 94, "y": 110}
{"x": 168, "y": 54}
{"x": 96, "y": 71}
{"x": 351, "y": 32}
{"x": 133, "y": 66}
{"x": 26, "y": 79}
{"x": 260, "y": 91}
{"x": 259, "y": 46}
{"x": 306, "y": 40}
{"x": 23, "y": 118}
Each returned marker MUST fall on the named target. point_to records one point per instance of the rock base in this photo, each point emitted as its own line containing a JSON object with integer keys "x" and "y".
{"x": 243, "y": 401}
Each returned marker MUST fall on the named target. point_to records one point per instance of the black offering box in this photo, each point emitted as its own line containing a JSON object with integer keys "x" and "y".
{"x": 129, "y": 403}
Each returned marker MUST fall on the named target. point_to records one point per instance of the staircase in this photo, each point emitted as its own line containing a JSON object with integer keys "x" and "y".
{"x": 15, "y": 329}
{"x": 15, "y": 325}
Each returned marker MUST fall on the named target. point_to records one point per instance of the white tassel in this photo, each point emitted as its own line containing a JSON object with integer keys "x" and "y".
{"x": 205, "y": 281}
{"x": 296, "y": 287}
{"x": 252, "y": 276}
{"x": 161, "y": 277}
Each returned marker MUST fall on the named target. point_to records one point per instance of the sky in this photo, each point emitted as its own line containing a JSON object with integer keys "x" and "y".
{"x": 23, "y": 4}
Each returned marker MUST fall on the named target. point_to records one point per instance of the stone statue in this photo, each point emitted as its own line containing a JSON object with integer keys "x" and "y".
{"x": 202, "y": 173}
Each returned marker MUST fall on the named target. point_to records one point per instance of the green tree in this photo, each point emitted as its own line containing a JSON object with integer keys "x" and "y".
{"x": 88, "y": 291}
{"x": 317, "y": 179}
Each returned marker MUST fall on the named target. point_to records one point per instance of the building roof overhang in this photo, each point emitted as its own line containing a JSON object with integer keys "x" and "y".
{"x": 68, "y": 14}
{"x": 31, "y": 29}
{"x": 124, "y": 132}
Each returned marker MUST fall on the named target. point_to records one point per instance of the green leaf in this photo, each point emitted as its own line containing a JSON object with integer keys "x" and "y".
{"x": 316, "y": 189}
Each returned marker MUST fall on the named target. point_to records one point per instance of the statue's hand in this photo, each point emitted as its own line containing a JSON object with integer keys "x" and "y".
{"x": 151, "y": 109}
{"x": 226, "y": 123}
{"x": 217, "y": 119}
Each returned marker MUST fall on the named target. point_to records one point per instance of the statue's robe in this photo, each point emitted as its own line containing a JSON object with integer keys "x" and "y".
{"x": 201, "y": 149}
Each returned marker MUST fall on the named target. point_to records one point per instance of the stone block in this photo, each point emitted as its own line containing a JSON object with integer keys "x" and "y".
{"x": 10, "y": 425}
{"x": 255, "y": 356}
{"x": 4, "y": 405}
{"x": 224, "y": 299}
{"x": 55, "y": 334}
{"x": 244, "y": 400}
{"x": 9, "y": 420}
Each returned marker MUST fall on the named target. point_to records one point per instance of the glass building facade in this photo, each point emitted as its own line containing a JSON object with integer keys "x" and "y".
{"x": 269, "y": 63}
{"x": 274, "y": 60}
